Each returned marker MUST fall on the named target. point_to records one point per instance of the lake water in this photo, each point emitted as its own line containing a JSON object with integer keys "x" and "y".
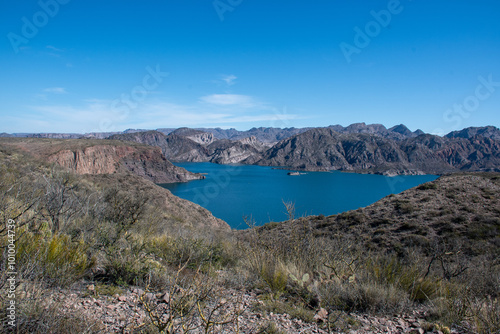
{"x": 232, "y": 192}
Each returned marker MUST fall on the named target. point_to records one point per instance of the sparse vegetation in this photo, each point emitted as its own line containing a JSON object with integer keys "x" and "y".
{"x": 441, "y": 253}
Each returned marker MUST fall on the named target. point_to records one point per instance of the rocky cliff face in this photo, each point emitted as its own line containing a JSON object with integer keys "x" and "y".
{"x": 227, "y": 151}
{"x": 108, "y": 159}
{"x": 326, "y": 149}
{"x": 101, "y": 165}
{"x": 359, "y": 147}
{"x": 174, "y": 147}
{"x": 86, "y": 156}
{"x": 180, "y": 146}
{"x": 200, "y": 137}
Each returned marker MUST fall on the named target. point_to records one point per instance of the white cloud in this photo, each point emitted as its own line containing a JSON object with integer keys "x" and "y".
{"x": 55, "y": 90}
{"x": 54, "y": 48}
{"x": 229, "y": 79}
{"x": 229, "y": 100}
{"x": 98, "y": 115}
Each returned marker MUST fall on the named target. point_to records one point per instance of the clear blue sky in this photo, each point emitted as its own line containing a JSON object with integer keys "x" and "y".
{"x": 82, "y": 66}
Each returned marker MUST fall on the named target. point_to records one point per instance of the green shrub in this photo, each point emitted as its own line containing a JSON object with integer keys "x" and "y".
{"x": 54, "y": 259}
{"x": 274, "y": 275}
{"x": 404, "y": 206}
{"x": 390, "y": 271}
{"x": 128, "y": 269}
{"x": 427, "y": 186}
{"x": 269, "y": 328}
{"x": 366, "y": 296}
{"x": 295, "y": 310}
{"x": 193, "y": 252}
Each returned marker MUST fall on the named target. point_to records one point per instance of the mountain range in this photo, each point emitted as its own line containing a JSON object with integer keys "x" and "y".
{"x": 359, "y": 147}
{"x": 263, "y": 134}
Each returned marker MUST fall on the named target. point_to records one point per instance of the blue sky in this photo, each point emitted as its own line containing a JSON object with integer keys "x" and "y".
{"x": 85, "y": 66}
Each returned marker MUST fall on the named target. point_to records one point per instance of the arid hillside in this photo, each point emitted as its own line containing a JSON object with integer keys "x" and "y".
{"x": 96, "y": 166}
{"x": 90, "y": 156}
{"x": 458, "y": 211}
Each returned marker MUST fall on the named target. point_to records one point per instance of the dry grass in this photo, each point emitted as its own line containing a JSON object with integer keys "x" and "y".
{"x": 436, "y": 245}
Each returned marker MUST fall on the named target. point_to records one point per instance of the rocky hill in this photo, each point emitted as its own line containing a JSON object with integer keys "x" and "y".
{"x": 188, "y": 145}
{"x": 457, "y": 211}
{"x": 485, "y": 131}
{"x": 200, "y": 137}
{"x": 85, "y": 156}
{"x": 359, "y": 147}
{"x": 398, "y": 132}
{"x": 102, "y": 165}
{"x": 326, "y": 149}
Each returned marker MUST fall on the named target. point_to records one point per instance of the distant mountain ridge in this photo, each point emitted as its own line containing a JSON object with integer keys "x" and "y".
{"x": 263, "y": 134}
{"x": 359, "y": 147}
{"x": 485, "y": 131}
{"x": 397, "y": 132}
{"x": 188, "y": 145}
{"x": 324, "y": 149}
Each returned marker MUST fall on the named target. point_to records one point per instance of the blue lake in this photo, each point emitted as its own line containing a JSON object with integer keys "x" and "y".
{"x": 232, "y": 192}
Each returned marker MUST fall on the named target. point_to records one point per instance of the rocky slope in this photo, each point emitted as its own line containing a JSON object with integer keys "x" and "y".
{"x": 188, "y": 145}
{"x": 485, "y": 131}
{"x": 105, "y": 165}
{"x": 176, "y": 213}
{"x": 124, "y": 313}
{"x": 460, "y": 211}
{"x": 326, "y": 149}
{"x": 398, "y": 132}
{"x": 200, "y": 137}
{"x": 266, "y": 135}
{"x": 106, "y": 157}
{"x": 359, "y": 147}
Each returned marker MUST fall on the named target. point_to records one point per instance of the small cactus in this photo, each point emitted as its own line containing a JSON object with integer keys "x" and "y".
{"x": 300, "y": 282}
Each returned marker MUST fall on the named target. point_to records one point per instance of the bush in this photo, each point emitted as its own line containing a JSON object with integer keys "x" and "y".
{"x": 390, "y": 271}
{"x": 427, "y": 186}
{"x": 273, "y": 273}
{"x": 54, "y": 259}
{"x": 195, "y": 253}
{"x": 362, "y": 297}
{"x": 128, "y": 269}
{"x": 37, "y": 313}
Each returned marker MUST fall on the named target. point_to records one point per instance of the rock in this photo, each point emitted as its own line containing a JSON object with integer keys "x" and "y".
{"x": 165, "y": 298}
{"x": 321, "y": 315}
{"x": 149, "y": 297}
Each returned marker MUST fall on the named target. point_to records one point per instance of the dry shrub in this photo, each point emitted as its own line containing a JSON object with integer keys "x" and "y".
{"x": 472, "y": 314}
{"x": 365, "y": 297}
{"x": 54, "y": 259}
{"x": 192, "y": 303}
{"x": 37, "y": 313}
